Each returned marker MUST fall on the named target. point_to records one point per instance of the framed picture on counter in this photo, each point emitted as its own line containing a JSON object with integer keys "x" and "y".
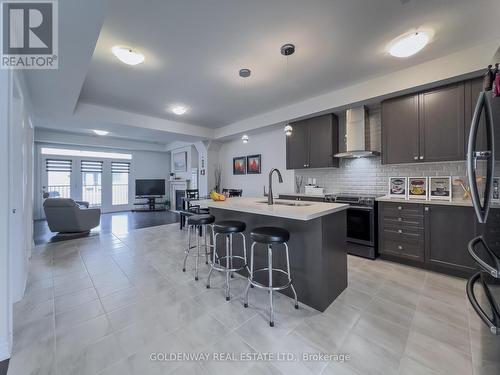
{"x": 397, "y": 187}
{"x": 440, "y": 188}
{"x": 240, "y": 165}
{"x": 417, "y": 188}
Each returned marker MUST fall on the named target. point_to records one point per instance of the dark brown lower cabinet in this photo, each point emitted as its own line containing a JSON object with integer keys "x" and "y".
{"x": 448, "y": 231}
{"x": 430, "y": 236}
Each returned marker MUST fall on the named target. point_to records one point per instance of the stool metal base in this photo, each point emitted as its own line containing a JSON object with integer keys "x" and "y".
{"x": 270, "y": 287}
{"x": 209, "y": 248}
{"x": 229, "y": 259}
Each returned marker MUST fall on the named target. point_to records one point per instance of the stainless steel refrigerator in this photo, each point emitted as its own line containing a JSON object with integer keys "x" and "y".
{"x": 483, "y": 288}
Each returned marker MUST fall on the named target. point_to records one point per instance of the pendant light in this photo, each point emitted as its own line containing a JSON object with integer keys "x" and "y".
{"x": 287, "y": 50}
{"x": 244, "y": 73}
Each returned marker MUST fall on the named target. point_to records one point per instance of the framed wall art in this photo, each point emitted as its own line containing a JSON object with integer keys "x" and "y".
{"x": 180, "y": 161}
{"x": 417, "y": 188}
{"x": 239, "y": 165}
{"x": 253, "y": 164}
{"x": 397, "y": 187}
{"x": 440, "y": 188}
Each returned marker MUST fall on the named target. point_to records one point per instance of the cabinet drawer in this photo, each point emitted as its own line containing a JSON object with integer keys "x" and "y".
{"x": 403, "y": 233}
{"x": 403, "y": 220}
{"x": 401, "y": 209}
{"x": 407, "y": 249}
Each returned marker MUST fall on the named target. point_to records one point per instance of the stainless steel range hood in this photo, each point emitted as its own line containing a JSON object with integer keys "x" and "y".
{"x": 358, "y": 137}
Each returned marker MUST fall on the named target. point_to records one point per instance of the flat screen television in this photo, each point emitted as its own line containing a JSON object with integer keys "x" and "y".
{"x": 148, "y": 188}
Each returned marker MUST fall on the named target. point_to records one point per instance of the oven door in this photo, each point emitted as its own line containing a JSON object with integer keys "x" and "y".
{"x": 360, "y": 225}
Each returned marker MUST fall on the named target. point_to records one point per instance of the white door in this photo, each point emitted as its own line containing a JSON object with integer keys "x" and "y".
{"x": 17, "y": 237}
{"x": 119, "y": 181}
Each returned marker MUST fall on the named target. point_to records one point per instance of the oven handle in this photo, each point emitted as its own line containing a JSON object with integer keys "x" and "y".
{"x": 493, "y": 322}
{"x": 361, "y": 208}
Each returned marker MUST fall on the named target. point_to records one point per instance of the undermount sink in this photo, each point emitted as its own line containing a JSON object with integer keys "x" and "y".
{"x": 292, "y": 204}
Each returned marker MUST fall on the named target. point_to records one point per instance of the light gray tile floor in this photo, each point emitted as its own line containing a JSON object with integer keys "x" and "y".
{"x": 103, "y": 305}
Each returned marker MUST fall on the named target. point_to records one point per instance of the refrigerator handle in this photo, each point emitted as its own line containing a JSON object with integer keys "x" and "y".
{"x": 493, "y": 322}
{"x": 495, "y": 272}
{"x": 473, "y": 156}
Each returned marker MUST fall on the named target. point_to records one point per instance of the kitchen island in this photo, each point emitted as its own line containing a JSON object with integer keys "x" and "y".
{"x": 318, "y": 258}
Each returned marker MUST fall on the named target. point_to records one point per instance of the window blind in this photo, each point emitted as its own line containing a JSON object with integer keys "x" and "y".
{"x": 57, "y": 165}
{"x": 92, "y": 166}
{"x": 119, "y": 167}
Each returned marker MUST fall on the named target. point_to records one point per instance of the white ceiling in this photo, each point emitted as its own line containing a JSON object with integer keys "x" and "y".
{"x": 194, "y": 50}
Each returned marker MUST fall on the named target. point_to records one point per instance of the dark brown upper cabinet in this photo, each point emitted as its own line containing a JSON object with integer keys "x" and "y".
{"x": 297, "y": 146}
{"x": 424, "y": 127}
{"x": 400, "y": 131}
{"x": 313, "y": 143}
{"x": 472, "y": 90}
{"x": 441, "y": 120}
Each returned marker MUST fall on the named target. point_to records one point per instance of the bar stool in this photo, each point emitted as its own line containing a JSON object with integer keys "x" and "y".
{"x": 227, "y": 262}
{"x": 199, "y": 223}
{"x": 270, "y": 236}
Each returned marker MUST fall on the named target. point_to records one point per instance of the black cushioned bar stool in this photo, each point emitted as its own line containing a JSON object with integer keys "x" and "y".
{"x": 270, "y": 236}
{"x": 198, "y": 223}
{"x": 228, "y": 263}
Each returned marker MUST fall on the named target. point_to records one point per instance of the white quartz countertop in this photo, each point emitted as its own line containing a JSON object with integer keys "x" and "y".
{"x": 258, "y": 205}
{"x": 453, "y": 202}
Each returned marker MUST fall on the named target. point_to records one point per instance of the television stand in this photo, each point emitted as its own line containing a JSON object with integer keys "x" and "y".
{"x": 151, "y": 205}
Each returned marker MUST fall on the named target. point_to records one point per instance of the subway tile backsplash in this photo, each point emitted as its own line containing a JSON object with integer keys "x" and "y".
{"x": 369, "y": 176}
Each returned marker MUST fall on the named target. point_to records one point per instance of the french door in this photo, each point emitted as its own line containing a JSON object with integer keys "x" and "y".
{"x": 92, "y": 182}
{"x": 102, "y": 183}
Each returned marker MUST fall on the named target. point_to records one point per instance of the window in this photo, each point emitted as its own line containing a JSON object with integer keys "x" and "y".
{"x": 88, "y": 154}
{"x": 58, "y": 178}
{"x": 92, "y": 182}
{"x": 120, "y": 172}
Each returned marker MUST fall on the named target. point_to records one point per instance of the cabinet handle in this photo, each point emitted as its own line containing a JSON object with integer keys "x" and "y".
{"x": 415, "y": 158}
{"x": 305, "y": 165}
{"x": 400, "y": 247}
{"x": 426, "y": 209}
{"x": 422, "y": 157}
{"x": 400, "y": 231}
{"x": 400, "y": 208}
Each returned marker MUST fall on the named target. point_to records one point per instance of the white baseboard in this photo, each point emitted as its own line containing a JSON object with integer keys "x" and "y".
{"x": 4, "y": 351}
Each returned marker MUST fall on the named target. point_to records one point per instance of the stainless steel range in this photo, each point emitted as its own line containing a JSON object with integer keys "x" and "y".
{"x": 361, "y": 223}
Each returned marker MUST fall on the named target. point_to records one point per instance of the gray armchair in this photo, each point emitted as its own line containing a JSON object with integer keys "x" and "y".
{"x": 67, "y": 216}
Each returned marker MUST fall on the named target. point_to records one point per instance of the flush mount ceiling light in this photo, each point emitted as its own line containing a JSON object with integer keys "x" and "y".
{"x": 179, "y": 110}
{"x": 127, "y": 55}
{"x": 244, "y": 138}
{"x": 245, "y": 73}
{"x": 100, "y": 132}
{"x": 409, "y": 44}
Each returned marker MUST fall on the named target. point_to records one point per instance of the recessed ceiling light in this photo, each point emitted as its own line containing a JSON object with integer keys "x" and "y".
{"x": 127, "y": 55}
{"x": 179, "y": 109}
{"x": 100, "y": 132}
{"x": 409, "y": 44}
